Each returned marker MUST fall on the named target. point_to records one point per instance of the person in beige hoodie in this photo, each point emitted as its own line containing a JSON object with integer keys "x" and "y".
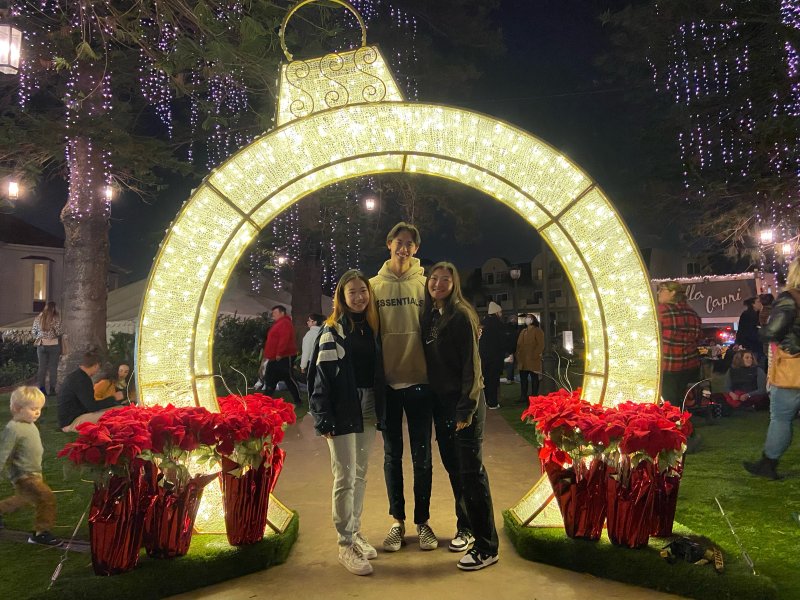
{"x": 399, "y": 289}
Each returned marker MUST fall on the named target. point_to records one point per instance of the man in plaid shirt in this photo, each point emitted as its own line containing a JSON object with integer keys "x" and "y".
{"x": 680, "y": 334}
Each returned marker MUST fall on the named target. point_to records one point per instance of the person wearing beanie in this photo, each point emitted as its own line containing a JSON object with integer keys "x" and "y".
{"x": 492, "y": 351}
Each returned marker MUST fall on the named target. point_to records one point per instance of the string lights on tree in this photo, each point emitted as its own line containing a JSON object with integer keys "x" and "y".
{"x": 738, "y": 78}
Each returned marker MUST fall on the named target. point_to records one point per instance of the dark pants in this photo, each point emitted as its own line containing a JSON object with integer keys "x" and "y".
{"x": 675, "y": 383}
{"x": 415, "y": 402}
{"x": 524, "y": 377}
{"x": 491, "y": 380}
{"x": 464, "y": 464}
{"x": 444, "y": 421}
{"x": 281, "y": 370}
{"x": 48, "y": 365}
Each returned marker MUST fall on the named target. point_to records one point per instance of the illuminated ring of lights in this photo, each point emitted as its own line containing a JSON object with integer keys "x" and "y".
{"x": 232, "y": 204}
{"x": 347, "y": 5}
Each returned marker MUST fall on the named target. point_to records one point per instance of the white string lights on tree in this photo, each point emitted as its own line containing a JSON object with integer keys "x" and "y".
{"x": 154, "y": 82}
{"x": 714, "y": 70}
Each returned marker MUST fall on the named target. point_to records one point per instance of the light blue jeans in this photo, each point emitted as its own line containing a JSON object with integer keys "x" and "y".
{"x": 349, "y": 458}
{"x": 783, "y": 406}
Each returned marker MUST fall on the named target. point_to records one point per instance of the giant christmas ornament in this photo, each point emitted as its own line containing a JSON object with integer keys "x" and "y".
{"x": 342, "y": 116}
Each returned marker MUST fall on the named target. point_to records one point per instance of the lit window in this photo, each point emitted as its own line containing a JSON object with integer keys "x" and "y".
{"x": 40, "y": 272}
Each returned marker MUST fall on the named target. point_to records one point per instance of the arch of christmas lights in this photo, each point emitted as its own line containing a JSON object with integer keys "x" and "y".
{"x": 342, "y": 116}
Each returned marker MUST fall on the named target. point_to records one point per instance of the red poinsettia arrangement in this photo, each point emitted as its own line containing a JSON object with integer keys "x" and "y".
{"x": 652, "y": 432}
{"x": 249, "y": 427}
{"x": 111, "y": 446}
{"x": 569, "y": 429}
{"x": 183, "y": 441}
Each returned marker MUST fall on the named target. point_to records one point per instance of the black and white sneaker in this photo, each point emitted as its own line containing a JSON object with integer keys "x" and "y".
{"x": 427, "y": 539}
{"x": 475, "y": 560}
{"x": 462, "y": 541}
{"x": 45, "y": 538}
{"x": 394, "y": 539}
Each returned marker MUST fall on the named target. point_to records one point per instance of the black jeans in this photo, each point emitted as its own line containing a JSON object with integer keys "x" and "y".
{"x": 416, "y": 402}
{"x": 281, "y": 370}
{"x": 524, "y": 376}
{"x": 444, "y": 421}
{"x": 464, "y": 464}
{"x": 491, "y": 380}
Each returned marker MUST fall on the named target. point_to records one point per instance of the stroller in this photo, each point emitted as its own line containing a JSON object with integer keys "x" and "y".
{"x": 698, "y": 401}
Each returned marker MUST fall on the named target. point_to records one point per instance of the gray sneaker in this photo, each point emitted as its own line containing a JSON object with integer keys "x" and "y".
{"x": 394, "y": 539}
{"x": 351, "y": 559}
{"x": 427, "y": 539}
{"x": 367, "y": 550}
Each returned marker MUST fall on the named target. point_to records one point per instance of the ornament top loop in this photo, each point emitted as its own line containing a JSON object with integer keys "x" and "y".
{"x": 343, "y": 3}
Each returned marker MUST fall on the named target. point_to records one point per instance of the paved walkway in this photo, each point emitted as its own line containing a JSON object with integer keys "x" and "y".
{"x": 313, "y": 571}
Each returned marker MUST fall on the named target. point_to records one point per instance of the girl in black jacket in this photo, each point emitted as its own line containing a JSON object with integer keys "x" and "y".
{"x": 347, "y": 404}
{"x": 450, "y": 333}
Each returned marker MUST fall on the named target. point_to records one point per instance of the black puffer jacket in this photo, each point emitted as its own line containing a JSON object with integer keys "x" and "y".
{"x": 784, "y": 322}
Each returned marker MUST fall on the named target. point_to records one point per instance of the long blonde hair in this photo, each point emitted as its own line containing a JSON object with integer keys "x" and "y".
{"x": 793, "y": 278}
{"x": 48, "y": 316}
{"x": 340, "y": 308}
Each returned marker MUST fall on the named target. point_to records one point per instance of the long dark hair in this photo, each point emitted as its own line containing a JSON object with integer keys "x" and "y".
{"x": 455, "y": 301}
{"x": 340, "y": 308}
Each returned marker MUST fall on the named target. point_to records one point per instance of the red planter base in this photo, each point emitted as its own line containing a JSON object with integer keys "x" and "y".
{"x": 115, "y": 526}
{"x": 630, "y": 496}
{"x": 170, "y": 522}
{"x": 580, "y": 491}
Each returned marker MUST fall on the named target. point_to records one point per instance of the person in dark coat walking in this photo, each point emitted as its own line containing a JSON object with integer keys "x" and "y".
{"x": 492, "y": 350}
{"x": 747, "y": 334}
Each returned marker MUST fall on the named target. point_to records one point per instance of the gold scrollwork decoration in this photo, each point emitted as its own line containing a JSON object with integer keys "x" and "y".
{"x": 363, "y": 58}
{"x": 331, "y": 66}
{"x": 297, "y": 72}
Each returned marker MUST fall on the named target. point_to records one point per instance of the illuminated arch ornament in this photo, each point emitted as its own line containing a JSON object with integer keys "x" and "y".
{"x": 343, "y": 116}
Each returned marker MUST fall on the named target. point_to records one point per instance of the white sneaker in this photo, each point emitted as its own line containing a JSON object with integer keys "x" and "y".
{"x": 367, "y": 550}
{"x": 351, "y": 559}
{"x": 475, "y": 560}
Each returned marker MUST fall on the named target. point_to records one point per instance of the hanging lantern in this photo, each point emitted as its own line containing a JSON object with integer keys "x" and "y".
{"x": 108, "y": 193}
{"x": 767, "y": 236}
{"x": 13, "y": 190}
{"x": 786, "y": 249}
{"x": 10, "y": 44}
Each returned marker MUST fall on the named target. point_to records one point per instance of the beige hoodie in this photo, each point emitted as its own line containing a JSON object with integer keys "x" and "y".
{"x": 400, "y": 301}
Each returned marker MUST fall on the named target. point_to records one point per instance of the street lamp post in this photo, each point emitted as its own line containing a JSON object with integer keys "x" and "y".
{"x": 514, "y": 274}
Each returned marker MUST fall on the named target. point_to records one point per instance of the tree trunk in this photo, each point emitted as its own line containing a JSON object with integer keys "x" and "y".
{"x": 307, "y": 271}
{"x": 86, "y": 256}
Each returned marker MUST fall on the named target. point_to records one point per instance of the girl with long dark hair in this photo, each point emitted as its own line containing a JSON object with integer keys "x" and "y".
{"x": 450, "y": 334}
{"x": 347, "y": 404}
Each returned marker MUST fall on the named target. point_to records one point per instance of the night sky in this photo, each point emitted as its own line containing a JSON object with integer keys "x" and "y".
{"x": 547, "y": 83}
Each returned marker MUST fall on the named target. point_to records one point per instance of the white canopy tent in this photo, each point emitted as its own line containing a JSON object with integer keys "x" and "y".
{"x": 124, "y": 302}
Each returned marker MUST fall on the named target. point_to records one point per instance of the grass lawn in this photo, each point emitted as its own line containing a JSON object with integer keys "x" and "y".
{"x": 27, "y": 568}
{"x": 760, "y": 510}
